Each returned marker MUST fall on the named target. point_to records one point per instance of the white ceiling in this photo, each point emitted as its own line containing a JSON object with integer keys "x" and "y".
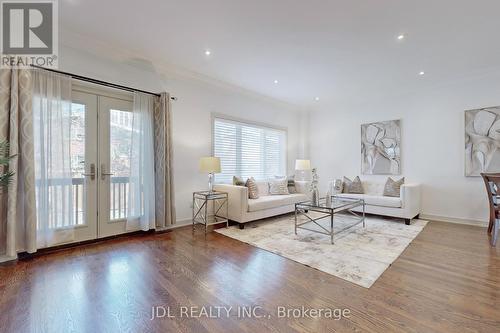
{"x": 334, "y": 49}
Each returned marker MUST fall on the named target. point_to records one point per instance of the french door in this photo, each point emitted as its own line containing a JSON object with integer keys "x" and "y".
{"x": 115, "y": 139}
{"x": 101, "y": 135}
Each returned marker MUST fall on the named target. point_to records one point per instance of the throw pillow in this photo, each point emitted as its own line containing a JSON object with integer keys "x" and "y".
{"x": 393, "y": 188}
{"x": 278, "y": 187}
{"x": 291, "y": 185}
{"x": 238, "y": 181}
{"x": 338, "y": 186}
{"x": 352, "y": 186}
{"x": 253, "y": 190}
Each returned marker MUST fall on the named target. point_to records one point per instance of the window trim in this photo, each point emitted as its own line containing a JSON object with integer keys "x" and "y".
{"x": 215, "y": 115}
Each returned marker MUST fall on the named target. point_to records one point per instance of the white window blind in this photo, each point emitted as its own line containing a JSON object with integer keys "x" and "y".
{"x": 248, "y": 150}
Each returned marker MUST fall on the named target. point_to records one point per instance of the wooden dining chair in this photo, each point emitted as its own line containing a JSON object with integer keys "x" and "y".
{"x": 492, "y": 182}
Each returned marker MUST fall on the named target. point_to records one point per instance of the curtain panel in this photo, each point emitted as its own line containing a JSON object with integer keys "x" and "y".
{"x": 141, "y": 194}
{"x": 52, "y": 149}
{"x": 164, "y": 184}
{"x": 17, "y": 203}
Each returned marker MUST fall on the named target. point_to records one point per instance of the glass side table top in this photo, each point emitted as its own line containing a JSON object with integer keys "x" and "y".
{"x": 210, "y": 195}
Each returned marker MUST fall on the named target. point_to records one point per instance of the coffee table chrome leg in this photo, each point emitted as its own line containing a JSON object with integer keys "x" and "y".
{"x": 194, "y": 216}
{"x": 331, "y": 227}
{"x": 364, "y": 224}
{"x": 227, "y": 213}
{"x": 295, "y": 221}
{"x": 206, "y": 218}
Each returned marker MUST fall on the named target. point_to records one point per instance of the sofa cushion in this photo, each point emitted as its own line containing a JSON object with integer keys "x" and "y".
{"x": 373, "y": 188}
{"x": 375, "y": 200}
{"x": 263, "y": 188}
{"x": 273, "y": 201}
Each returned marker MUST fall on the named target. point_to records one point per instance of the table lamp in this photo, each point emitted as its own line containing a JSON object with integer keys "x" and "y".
{"x": 210, "y": 165}
{"x": 302, "y": 165}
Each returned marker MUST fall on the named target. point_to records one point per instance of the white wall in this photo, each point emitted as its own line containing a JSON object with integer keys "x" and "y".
{"x": 432, "y": 143}
{"x": 191, "y": 114}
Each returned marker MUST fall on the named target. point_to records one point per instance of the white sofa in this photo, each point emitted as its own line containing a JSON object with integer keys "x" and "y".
{"x": 242, "y": 209}
{"x": 407, "y": 206}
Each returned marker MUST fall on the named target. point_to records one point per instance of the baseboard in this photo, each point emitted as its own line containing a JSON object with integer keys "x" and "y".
{"x": 184, "y": 221}
{"x": 6, "y": 258}
{"x": 457, "y": 220}
{"x": 178, "y": 224}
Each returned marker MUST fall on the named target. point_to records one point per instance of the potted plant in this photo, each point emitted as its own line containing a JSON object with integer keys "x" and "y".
{"x": 5, "y": 176}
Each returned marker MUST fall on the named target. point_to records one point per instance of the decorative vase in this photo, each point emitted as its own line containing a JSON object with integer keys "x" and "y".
{"x": 315, "y": 197}
{"x": 328, "y": 201}
{"x": 314, "y": 188}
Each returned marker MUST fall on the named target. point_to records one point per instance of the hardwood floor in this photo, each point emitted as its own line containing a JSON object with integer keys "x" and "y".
{"x": 447, "y": 280}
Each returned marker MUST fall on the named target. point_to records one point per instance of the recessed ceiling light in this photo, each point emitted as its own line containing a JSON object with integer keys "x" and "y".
{"x": 207, "y": 52}
{"x": 316, "y": 99}
{"x": 421, "y": 73}
{"x": 275, "y": 81}
{"x": 401, "y": 37}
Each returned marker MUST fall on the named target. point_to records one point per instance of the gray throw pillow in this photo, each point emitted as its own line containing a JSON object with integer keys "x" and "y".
{"x": 253, "y": 190}
{"x": 352, "y": 186}
{"x": 291, "y": 185}
{"x": 238, "y": 181}
{"x": 393, "y": 188}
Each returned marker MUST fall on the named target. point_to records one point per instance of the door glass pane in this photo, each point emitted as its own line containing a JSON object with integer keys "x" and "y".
{"x": 120, "y": 146}
{"x": 78, "y": 160}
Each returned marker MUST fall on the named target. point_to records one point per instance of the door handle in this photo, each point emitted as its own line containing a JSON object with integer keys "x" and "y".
{"x": 104, "y": 174}
{"x": 91, "y": 174}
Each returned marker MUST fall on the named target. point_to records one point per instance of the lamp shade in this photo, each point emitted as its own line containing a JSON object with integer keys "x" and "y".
{"x": 302, "y": 165}
{"x": 210, "y": 164}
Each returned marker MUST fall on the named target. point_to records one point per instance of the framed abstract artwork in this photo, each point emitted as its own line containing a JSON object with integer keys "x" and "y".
{"x": 482, "y": 141}
{"x": 381, "y": 148}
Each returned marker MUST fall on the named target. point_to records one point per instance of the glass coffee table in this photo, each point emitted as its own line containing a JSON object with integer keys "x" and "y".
{"x": 339, "y": 205}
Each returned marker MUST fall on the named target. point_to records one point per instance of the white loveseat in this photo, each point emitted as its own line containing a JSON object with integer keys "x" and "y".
{"x": 407, "y": 206}
{"x": 242, "y": 209}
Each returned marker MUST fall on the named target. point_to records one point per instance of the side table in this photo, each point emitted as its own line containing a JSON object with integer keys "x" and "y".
{"x": 201, "y": 202}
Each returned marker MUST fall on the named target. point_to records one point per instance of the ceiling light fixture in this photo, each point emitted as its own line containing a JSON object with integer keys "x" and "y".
{"x": 207, "y": 52}
{"x": 421, "y": 73}
{"x": 275, "y": 81}
{"x": 401, "y": 37}
{"x": 316, "y": 99}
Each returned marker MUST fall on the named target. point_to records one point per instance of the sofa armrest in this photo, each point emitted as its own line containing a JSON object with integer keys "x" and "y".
{"x": 410, "y": 198}
{"x": 302, "y": 186}
{"x": 237, "y": 200}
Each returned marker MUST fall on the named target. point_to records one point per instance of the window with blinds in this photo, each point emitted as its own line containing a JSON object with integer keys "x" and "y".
{"x": 248, "y": 150}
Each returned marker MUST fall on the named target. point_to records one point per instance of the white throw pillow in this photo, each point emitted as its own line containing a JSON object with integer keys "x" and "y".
{"x": 278, "y": 187}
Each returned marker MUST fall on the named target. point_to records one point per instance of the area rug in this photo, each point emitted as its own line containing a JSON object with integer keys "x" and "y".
{"x": 359, "y": 255}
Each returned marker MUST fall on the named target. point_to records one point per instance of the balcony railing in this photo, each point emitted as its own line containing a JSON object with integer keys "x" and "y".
{"x": 58, "y": 188}
{"x": 119, "y": 198}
